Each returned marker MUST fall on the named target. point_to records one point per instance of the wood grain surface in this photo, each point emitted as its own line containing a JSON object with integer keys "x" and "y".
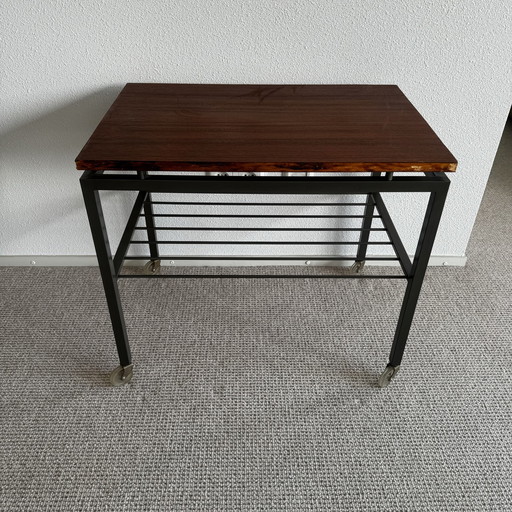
{"x": 264, "y": 128}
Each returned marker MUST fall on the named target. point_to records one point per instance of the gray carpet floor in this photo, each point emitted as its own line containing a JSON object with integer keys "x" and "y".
{"x": 259, "y": 395}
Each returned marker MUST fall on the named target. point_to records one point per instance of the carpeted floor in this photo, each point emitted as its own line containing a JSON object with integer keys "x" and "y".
{"x": 259, "y": 395}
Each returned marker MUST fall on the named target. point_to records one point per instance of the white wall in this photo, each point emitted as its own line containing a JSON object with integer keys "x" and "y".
{"x": 66, "y": 61}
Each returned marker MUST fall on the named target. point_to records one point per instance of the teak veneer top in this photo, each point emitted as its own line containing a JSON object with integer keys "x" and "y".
{"x": 179, "y": 127}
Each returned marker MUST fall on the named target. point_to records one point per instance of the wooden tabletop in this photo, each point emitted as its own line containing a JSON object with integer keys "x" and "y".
{"x": 342, "y": 128}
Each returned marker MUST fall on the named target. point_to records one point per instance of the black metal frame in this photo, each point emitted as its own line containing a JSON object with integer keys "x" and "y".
{"x": 436, "y": 184}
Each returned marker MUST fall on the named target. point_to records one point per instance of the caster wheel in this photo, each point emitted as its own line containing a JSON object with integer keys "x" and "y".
{"x": 121, "y": 375}
{"x": 357, "y": 267}
{"x": 386, "y": 376}
{"x": 152, "y": 267}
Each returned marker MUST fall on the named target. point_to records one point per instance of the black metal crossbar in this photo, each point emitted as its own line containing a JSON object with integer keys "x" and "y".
{"x": 327, "y": 184}
{"x": 264, "y": 276}
{"x": 195, "y": 228}
{"x": 247, "y": 242}
{"x": 254, "y": 216}
{"x": 265, "y": 258}
{"x": 202, "y": 203}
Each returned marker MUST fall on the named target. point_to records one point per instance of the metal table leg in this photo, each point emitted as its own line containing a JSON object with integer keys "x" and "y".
{"x": 124, "y": 373}
{"x": 365, "y": 234}
{"x": 153, "y": 265}
{"x": 414, "y": 282}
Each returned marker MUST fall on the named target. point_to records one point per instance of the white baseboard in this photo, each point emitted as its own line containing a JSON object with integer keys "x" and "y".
{"x": 90, "y": 261}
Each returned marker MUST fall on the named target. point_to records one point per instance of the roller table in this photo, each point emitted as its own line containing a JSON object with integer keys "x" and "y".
{"x": 263, "y": 142}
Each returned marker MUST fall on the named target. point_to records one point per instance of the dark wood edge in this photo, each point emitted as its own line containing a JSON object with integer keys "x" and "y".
{"x": 97, "y": 165}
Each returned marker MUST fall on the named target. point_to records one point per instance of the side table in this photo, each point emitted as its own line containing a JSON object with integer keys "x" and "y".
{"x": 218, "y": 139}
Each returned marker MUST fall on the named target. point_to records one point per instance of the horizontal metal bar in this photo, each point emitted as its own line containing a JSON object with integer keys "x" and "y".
{"x": 250, "y": 242}
{"x": 264, "y": 184}
{"x": 241, "y": 216}
{"x": 208, "y": 203}
{"x": 264, "y": 258}
{"x": 194, "y": 228}
{"x": 266, "y": 276}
